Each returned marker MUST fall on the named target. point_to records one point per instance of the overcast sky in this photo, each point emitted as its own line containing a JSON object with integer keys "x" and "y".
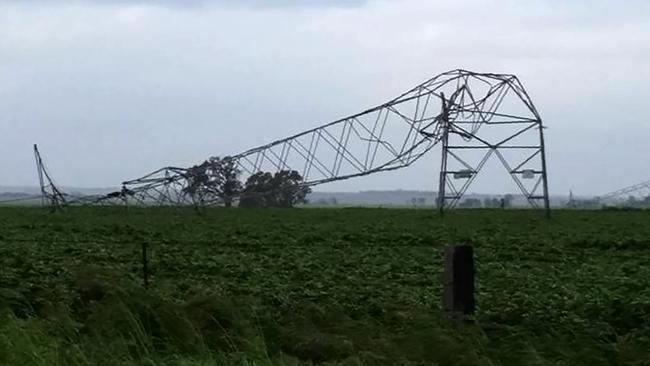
{"x": 111, "y": 90}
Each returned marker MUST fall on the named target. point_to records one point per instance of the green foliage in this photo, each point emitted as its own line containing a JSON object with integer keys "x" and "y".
{"x": 349, "y": 286}
{"x": 282, "y": 189}
{"x": 225, "y": 178}
{"x": 217, "y": 177}
{"x": 198, "y": 182}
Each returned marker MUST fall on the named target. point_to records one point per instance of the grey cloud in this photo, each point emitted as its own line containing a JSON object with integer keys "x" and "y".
{"x": 204, "y": 3}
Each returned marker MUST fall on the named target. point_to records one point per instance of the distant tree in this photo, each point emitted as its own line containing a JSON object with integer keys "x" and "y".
{"x": 491, "y": 203}
{"x": 646, "y": 202}
{"x": 470, "y": 203}
{"x": 282, "y": 189}
{"x": 333, "y": 201}
{"x": 631, "y": 202}
{"x": 592, "y": 203}
{"x": 417, "y": 201}
{"x": 487, "y": 203}
{"x": 507, "y": 200}
{"x": 322, "y": 202}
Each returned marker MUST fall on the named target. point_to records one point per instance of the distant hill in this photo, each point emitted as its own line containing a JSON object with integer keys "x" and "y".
{"x": 9, "y": 194}
{"x": 31, "y": 190}
{"x": 390, "y": 198}
{"x": 19, "y": 189}
{"x": 405, "y": 198}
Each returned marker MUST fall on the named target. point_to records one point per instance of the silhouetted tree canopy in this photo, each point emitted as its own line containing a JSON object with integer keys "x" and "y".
{"x": 224, "y": 178}
{"x": 216, "y": 177}
{"x": 197, "y": 183}
{"x": 282, "y": 189}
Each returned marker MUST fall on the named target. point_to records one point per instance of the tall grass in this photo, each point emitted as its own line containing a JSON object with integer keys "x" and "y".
{"x": 126, "y": 337}
{"x": 36, "y": 342}
{"x": 125, "y": 326}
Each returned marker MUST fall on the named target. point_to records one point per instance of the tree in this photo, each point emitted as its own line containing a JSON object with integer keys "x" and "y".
{"x": 646, "y": 202}
{"x": 507, "y": 200}
{"x": 631, "y": 202}
{"x": 197, "y": 183}
{"x": 282, "y": 189}
{"x": 470, "y": 203}
{"x": 322, "y": 202}
{"x": 491, "y": 203}
{"x": 288, "y": 188}
{"x": 224, "y": 179}
{"x": 216, "y": 177}
{"x": 256, "y": 190}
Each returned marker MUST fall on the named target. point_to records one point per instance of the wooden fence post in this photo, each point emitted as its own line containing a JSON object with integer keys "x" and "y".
{"x": 145, "y": 266}
{"x": 458, "y": 281}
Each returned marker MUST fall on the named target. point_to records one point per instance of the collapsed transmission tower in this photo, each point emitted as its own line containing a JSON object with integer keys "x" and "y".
{"x": 638, "y": 191}
{"x": 50, "y": 195}
{"x": 473, "y": 115}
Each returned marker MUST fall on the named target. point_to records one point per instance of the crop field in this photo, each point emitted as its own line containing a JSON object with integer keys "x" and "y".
{"x": 311, "y": 286}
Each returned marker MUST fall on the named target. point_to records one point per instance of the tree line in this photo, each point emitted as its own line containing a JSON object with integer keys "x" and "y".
{"x": 504, "y": 202}
{"x": 220, "y": 177}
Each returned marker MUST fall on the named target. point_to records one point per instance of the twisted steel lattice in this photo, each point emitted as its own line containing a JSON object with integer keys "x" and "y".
{"x": 387, "y": 137}
{"x": 640, "y": 190}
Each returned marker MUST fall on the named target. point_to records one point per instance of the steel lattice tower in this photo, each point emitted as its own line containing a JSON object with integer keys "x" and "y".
{"x": 491, "y": 115}
{"x": 50, "y": 194}
{"x": 467, "y": 112}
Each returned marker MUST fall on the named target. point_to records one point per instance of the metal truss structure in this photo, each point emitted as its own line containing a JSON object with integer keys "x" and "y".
{"x": 463, "y": 110}
{"x": 492, "y": 115}
{"x": 51, "y": 196}
{"x": 638, "y": 191}
{"x": 164, "y": 186}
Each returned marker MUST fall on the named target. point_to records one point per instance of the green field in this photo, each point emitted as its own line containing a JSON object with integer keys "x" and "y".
{"x": 308, "y": 286}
